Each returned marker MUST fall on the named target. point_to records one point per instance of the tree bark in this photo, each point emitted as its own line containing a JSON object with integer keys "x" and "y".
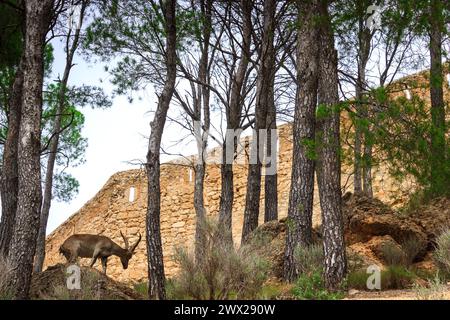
{"x": 367, "y": 169}
{"x": 328, "y": 166}
{"x": 233, "y": 114}
{"x": 299, "y": 232}
{"x": 363, "y": 57}
{"x": 202, "y": 101}
{"x": 263, "y": 86}
{"x": 23, "y": 242}
{"x": 271, "y": 181}
{"x": 156, "y": 288}
{"x": 54, "y": 143}
{"x": 10, "y": 175}
{"x": 439, "y": 177}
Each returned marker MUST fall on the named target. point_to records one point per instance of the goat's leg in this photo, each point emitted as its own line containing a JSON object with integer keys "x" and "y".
{"x": 94, "y": 258}
{"x": 104, "y": 264}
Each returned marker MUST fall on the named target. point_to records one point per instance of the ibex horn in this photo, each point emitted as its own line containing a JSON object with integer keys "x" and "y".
{"x": 124, "y": 240}
{"x": 135, "y": 245}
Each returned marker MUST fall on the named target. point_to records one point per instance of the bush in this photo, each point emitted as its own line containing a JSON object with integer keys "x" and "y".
{"x": 442, "y": 253}
{"x": 271, "y": 291}
{"x": 435, "y": 290}
{"x": 5, "y": 293}
{"x": 309, "y": 259}
{"x": 393, "y": 255}
{"x": 411, "y": 249}
{"x": 397, "y": 277}
{"x": 357, "y": 279}
{"x": 222, "y": 273}
{"x": 312, "y": 287}
{"x": 142, "y": 288}
{"x": 394, "y": 277}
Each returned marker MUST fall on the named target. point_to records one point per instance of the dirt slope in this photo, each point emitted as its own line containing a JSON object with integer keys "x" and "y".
{"x": 51, "y": 284}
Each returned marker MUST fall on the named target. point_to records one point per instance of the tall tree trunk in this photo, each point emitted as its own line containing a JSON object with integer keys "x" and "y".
{"x": 263, "y": 86}
{"x": 156, "y": 288}
{"x": 234, "y": 110}
{"x": 54, "y": 143}
{"x": 365, "y": 155}
{"x": 10, "y": 175}
{"x": 367, "y": 169}
{"x": 328, "y": 166}
{"x": 271, "y": 180}
{"x": 202, "y": 102}
{"x": 23, "y": 242}
{"x": 363, "y": 57}
{"x": 299, "y": 232}
{"x": 439, "y": 178}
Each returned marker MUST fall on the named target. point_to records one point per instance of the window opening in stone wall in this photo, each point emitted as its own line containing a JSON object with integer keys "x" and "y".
{"x": 131, "y": 196}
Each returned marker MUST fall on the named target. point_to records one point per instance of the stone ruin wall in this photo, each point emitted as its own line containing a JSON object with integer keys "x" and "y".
{"x": 111, "y": 210}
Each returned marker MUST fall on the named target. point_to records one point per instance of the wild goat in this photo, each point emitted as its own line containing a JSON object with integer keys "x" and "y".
{"x": 96, "y": 246}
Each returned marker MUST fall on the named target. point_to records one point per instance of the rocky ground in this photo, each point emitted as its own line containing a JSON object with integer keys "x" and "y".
{"x": 51, "y": 285}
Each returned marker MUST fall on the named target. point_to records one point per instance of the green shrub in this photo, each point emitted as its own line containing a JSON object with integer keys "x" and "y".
{"x": 393, "y": 255}
{"x": 411, "y": 248}
{"x": 435, "y": 289}
{"x": 397, "y": 277}
{"x": 222, "y": 273}
{"x": 357, "y": 279}
{"x": 270, "y": 292}
{"x": 312, "y": 287}
{"x": 309, "y": 259}
{"x": 394, "y": 277}
{"x": 142, "y": 288}
{"x": 442, "y": 253}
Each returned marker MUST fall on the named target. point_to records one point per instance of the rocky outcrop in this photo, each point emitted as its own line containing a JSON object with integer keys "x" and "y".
{"x": 51, "y": 284}
{"x": 372, "y": 232}
{"x": 370, "y": 221}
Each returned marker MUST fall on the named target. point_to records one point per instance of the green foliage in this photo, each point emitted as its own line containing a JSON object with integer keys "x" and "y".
{"x": 403, "y": 132}
{"x": 310, "y": 147}
{"x": 222, "y": 272}
{"x": 434, "y": 290}
{"x": 309, "y": 259}
{"x": 312, "y": 287}
{"x": 393, "y": 255}
{"x": 142, "y": 288}
{"x": 411, "y": 247}
{"x": 393, "y": 277}
{"x": 397, "y": 277}
{"x": 72, "y": 145}
{"x": 323, "y": 111}
{"x": 133, "y": 35}
{"x": 11, "y": 42}
{"x": 357, "y": 279}
{"x": 270, "y": 292}
{"x": 442, "y": 253}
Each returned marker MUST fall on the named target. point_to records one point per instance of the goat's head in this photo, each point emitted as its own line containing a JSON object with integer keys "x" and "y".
{"x": 129, "y": 250}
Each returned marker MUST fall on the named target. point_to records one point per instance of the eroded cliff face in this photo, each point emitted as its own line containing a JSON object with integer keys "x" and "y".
{"x": 121, "y": 205}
